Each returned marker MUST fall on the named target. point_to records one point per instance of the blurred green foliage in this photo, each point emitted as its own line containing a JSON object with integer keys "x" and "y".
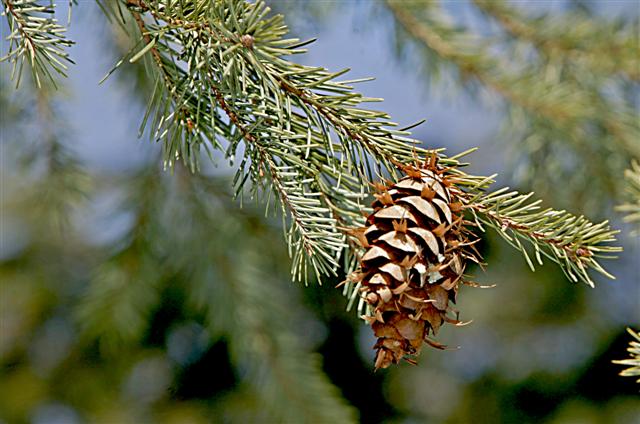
{"x": 566, "y": 79}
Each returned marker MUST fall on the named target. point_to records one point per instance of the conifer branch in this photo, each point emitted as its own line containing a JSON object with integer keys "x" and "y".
{"x": 305, "y": 226}
{"x": 223, "y": 73}
{"x": 572, "y": 242}
{"x": 563, "y": 104}
{"x": 633, "y": 362}
{"x": 474, "y": 60}
{"x": 605, "y": 48}
{"x": 631, "y": 209}
{"x": 602, "y": 47}
{"x": 35, "y": 37}
{"x": 307, "y": 177}
{"x": 562, "y": 113}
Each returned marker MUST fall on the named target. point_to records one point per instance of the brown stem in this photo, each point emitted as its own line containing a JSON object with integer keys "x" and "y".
{"x": 140, "y": 4}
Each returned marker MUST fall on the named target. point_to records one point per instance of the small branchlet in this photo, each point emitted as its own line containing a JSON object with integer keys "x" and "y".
{"x": 631, "y": 208}
{"x": 633, "y": 362}
{"x": 35, "y": 38}
{"x": 572, "y": 242}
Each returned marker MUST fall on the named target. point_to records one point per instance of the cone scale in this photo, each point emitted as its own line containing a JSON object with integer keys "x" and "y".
{"x": 413, "y": 263}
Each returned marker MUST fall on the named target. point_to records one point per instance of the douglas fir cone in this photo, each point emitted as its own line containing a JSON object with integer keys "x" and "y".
{"x": 414, "y": 260}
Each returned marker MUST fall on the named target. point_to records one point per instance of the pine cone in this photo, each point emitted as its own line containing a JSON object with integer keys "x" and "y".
{"x": 414, "y": 261}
